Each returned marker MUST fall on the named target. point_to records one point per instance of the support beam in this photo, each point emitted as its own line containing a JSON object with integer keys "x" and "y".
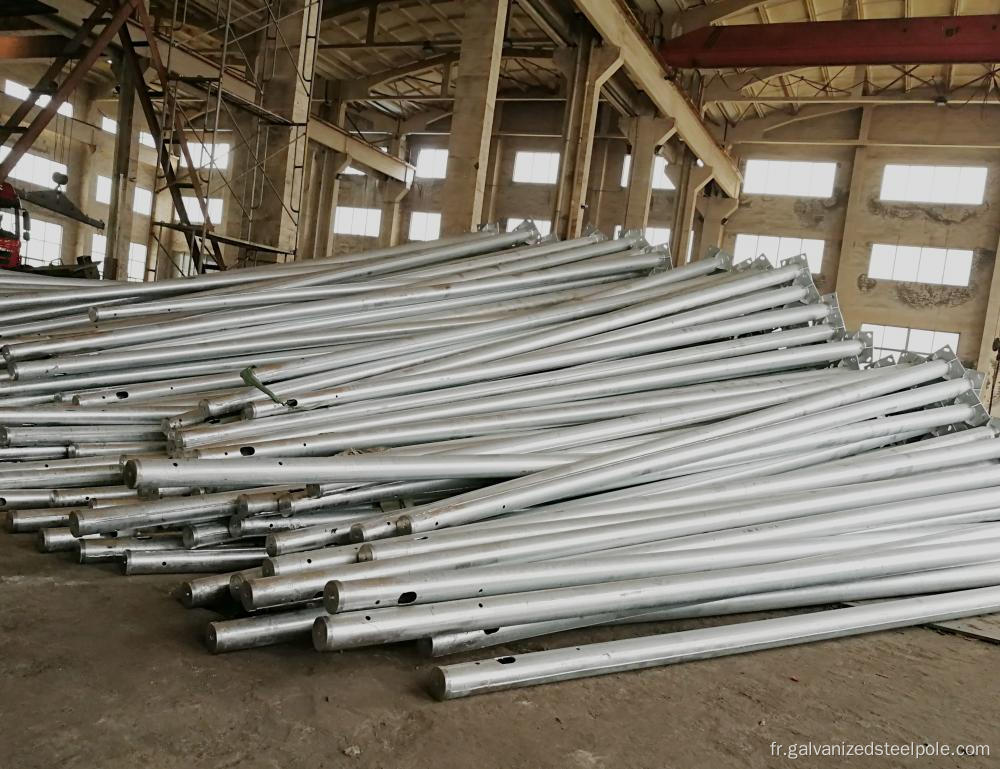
{"x": 493, "y": 171}
{"x": 242, "y": 93}
{"x": 288, "y": 68}
{"x": 65, "y": 88}
{"x": 645, "y": 134}
{"x": 693, "y": 179}
{"x": 989, "y": 347}
{"x": 847, "y": 273}
{"x": 931, "y": 40}
{"x": 704, "y": 15}
{"x": 393, "y": 193}
{"x": 334, "y": 8}
{"x": 125, "y": 168}
{"x": 591, "y": 69}
{"x": 360, "y": 89}
{"x": 312, "y": 188}
{"x": 756, "y": 130}
{"x": 714, "y": 213}
{"x": 729, "y": 86}
{"x": 646, "y": 71}
{"x": 334, "y": 164}
{"x": 472, "y": 124}
{"x": 25, "y": 48}
{"x": 979, "y": 95}
{"x": 361, "y": 152}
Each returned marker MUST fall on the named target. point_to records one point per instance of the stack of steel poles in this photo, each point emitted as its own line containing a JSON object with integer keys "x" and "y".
{"x": 494, "y": 437}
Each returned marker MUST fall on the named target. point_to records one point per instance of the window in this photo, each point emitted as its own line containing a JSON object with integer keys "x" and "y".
{"x": 544, "y": 226}
{"x": 142, "y": 201}
{"x": 789, "y": 177}
{"x": 432, "y": 164}
{"x": 147, "y": 140}
{"x": 45, "y": 246}
{"x": 657, "y": 236}
{"x": 352, "y": 171}
{"x": 98, "y": 250}
{"x": 103, "y": 192}
{"x": 22, "y": 92}
{"x": 108, "y": 125}
{"x": 357, "y": 221}
{"x": 934, "y": 184}
{"x": 896, "y": 339}
{"x": 778, "y": 249}
{"x": 940, "y": 266}
{"x": 659, "y": 179}
{"x": 536, "y": 167}
{"x": 34, "y": 169}
{"x": 205, "y": 155}
{"x": 194, "y": 210}
{"x": 136, "y": 261}
{"x": 425, "y": 225}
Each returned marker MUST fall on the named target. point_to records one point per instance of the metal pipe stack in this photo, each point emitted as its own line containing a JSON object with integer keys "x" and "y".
{"x": 497, "y": 436}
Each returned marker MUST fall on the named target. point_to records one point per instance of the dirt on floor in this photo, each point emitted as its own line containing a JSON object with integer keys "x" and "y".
{"x": 101, "y": 671}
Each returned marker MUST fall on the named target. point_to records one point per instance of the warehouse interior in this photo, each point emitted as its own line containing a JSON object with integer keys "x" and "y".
{"x": 754, "y": 242}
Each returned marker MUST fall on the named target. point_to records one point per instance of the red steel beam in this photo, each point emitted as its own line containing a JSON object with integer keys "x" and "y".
{"x": 936, "y": 40}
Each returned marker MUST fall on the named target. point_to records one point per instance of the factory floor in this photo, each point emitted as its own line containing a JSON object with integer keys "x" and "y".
{"x": 100, "y": 671}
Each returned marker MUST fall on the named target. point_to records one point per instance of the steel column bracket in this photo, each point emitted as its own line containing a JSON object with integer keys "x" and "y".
{"x": 854, "y": 362}
{"x": 528, "y": 225}
{"x": 980, "y": 416}
{"x": 887, "y": 360}
{"x": 868, "y": 340}
{"x": 955, "y": 368}
{"x": 836, "y": 316}
{"x": 637, "y": 234}
{"x": 590, "y": 231}
{"x": 715, "y": 252}
{"x": 759, "y": 263}
{"x": 666, "y": 263}
{"x": 805, "y": 280}
{"x": 978, "y": 379}
{"x": 911, "y": 358}
{"x": 493, "y": 228}
{"x": 994, "y": 425}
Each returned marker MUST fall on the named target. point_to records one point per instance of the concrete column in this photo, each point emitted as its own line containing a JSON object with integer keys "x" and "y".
{"x": 472, "y": 124}
{"x": 393, "y": 192}
{"x": 987, "y": 361}
{"x": 125, "y": 167}
{"x": 846, "y": 277}
{"x": 693, "y": 179}
{"x": 310, "y": 202}
{"x": 645, "y": 134}
{"x": 493, "y": 176}
{"x": 714, "y": 212}
{"x": 586, "y": 74}
{"x": 334, "y": 164}
{"x": 287, "y": 66}
{"x": 599, "y": 175}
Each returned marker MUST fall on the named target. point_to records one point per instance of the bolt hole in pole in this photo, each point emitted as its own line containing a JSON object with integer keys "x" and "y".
{"x": 247, "y": 451}
{"x": 407, "y": 597}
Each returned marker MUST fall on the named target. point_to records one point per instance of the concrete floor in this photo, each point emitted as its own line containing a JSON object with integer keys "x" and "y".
{"x": 99, "y": 670}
